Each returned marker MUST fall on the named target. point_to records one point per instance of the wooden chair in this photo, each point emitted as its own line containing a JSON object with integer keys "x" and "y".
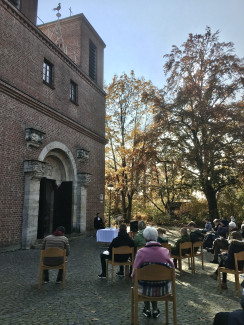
{"x": 196, "y": 253}
{"x": 180, "y": 257}
{"x": 121, "y": 251}
{"x": 167, "y": 245}
{"x": 238, "y": 257}
{"x": 52, "y": 252}
{"x": 153, "y": 272}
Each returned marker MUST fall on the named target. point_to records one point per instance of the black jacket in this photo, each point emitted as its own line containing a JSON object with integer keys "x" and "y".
{"x": 236, "y": 246}
{"x": 123, "y": 239}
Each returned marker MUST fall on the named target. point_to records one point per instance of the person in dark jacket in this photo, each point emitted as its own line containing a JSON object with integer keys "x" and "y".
{"x": 123, "y": 239}
{"x": 231, "y": 318}
{"x": 98, "y": 222}
{"x": 176, "y": 248}
{"x": 222, "y": 243}
{"x": 228, "y": 259}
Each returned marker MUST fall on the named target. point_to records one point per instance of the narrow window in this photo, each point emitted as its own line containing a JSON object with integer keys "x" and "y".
{"x": 16, "y": 3}
{"x": 92, "y": 61}
{"x": 48, "y": 72}
{"x": 73, "y": 92}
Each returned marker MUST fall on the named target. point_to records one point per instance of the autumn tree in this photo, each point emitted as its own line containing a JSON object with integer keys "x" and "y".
{"x": 200, "y": 112}
{"x": 127, "y": 120}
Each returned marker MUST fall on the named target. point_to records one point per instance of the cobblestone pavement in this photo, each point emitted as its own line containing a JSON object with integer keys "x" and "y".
{"x": 86, "y": 299}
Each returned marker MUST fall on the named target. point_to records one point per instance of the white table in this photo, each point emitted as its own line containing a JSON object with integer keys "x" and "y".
{"x": 107, "y": 235}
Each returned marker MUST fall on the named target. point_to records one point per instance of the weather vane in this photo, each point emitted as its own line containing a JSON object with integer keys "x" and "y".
{"x": 58, "y": 8}
{"x": 70, "y": 11}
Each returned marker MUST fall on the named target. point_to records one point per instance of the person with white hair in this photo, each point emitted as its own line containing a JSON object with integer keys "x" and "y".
{"x": 152, "y": 253}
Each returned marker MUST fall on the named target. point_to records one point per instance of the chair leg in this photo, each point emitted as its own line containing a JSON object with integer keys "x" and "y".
{"x": 238, "y": 288}
{"x": 180, "y": 265}
{"x": 174, "y": 313}
{"x": 64, "y": 277}
{"x": 219, "y": 276}
{"x": 167, "y": 311}
{"x": 107, "y": 270}
{"x": 202, "y": 262}
{"x": 132, "y": 307}
{"x": 40, "y": 280}
{"x": 135, "y": 312}
{"x": 112, "y": 275}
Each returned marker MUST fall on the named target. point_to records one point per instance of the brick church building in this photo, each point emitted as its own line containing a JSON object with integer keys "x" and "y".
{"x": 52, "y": 125}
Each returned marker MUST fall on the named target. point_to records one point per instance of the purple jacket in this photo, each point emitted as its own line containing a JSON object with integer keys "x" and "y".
{"x": 153, "y": 252}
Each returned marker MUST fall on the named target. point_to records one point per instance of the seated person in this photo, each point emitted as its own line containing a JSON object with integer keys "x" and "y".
{"x": 231, "y": 318}
{"x": 175, "y": 250}
{"x": 208, "y": 226}
{"x": 221, "y": 243}
{"x": 195, "y": 233}
{"x": 56, "y": 239}
{"x": 228, "y": 259}
{"x": 209, "y": 239}
{"x": 123, "y": 239}
{"x": 161, "y": 236}
{"x": 139, "y": 239}
{"x": 153, "y": 252}
{"x": 98, "y": 222}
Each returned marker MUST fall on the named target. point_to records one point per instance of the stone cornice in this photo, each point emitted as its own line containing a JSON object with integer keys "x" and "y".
{"x": 44, "y": 39}
{"x": 26, "y": 99}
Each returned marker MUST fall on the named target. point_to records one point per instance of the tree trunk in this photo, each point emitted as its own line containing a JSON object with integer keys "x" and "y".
{"x": 210, "y": 194}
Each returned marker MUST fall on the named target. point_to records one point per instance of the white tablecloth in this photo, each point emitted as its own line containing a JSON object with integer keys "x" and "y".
{"x": 107, "y": 235}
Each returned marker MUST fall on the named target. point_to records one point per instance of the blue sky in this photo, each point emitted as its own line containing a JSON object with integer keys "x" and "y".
{"x": 138, "y": 33}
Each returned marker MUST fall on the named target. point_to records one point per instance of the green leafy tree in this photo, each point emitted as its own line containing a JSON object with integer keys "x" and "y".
{"x": 200, "y": 113}
{"x": 126, "y": 153}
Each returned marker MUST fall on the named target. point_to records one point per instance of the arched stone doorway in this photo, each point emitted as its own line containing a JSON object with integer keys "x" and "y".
{"x": 53, "y": 177}
{"x": 55, "y": 201}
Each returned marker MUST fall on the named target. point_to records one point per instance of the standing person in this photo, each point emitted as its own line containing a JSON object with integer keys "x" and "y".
{"x": 152, "y": 253}
{"x": 57, "y": 239}
{"x": 123, "y": 239}
{"x": 98, "y": 222}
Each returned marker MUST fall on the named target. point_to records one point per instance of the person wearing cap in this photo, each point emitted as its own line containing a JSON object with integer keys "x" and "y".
{"x": 152, "y": 253}
{"x": 221, "y": 242}
{"x": 56, "y": 239}
{"x": 228, "y": 259}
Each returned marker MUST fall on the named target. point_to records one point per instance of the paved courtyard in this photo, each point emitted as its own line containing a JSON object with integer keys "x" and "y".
{"x": 86, "y": 299}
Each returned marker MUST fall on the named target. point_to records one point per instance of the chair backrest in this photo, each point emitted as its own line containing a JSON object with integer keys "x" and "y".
{"x": 186, "y": 246}
{"x": 53, "y": 252}
{"x": 166, "y": 245}
{"x": 197, "y": 244}
{"x": 154, "y": 272}
{"x": 123, "y": 250}
{"x": 239, "y": 257}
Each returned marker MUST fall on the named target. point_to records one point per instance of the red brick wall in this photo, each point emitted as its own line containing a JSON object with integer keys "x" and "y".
{"x": 23, "y": 51}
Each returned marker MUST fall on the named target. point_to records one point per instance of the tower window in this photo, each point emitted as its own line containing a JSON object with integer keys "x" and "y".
{"x": 92, "y": 61}
{"x": 47, "y": 72}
